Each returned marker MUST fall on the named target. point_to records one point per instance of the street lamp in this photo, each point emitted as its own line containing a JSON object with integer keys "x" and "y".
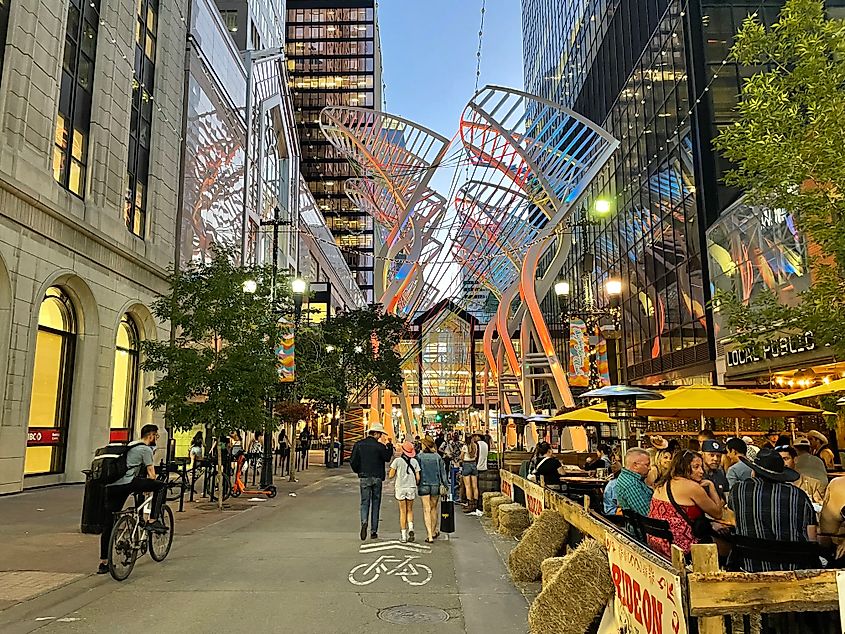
{"x": 250, "y": 286}
{"x": 562, "y": 288}
{"x": 622, "y": 406}
{"x": 613, "y": 287}
{"x": 298, "y": 286}
{"x": 602, "y": 206}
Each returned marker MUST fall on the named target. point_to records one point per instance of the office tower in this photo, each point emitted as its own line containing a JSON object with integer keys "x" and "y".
{"x": 334, "y": 59}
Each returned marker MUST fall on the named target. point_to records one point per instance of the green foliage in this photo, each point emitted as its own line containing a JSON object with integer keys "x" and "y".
{"x": 348, "y": 355}
{"x": 788, "y": 145}
{"x": 221, "y": 365}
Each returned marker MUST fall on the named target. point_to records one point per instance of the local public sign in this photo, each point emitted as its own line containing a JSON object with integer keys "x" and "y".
{"x": 772, "y": 349}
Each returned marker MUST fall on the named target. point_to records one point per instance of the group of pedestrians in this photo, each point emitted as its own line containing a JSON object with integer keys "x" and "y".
{"x": 419, "y": 470}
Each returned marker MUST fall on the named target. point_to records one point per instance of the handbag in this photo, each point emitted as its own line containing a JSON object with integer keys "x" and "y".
{"x": 701, "y": 528}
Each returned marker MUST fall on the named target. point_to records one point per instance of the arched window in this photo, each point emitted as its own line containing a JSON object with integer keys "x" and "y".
{"x": 124, "y": 397}
{"x": 52, "y": 379}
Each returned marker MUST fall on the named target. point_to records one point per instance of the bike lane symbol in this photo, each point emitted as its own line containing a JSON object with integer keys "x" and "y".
{"x": 411, "y": 572}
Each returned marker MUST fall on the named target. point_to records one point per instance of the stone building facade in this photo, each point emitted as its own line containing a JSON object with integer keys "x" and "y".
{"x": 91, "y": 99}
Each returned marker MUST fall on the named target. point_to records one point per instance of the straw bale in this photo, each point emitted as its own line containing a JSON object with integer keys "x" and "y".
{"x": 549, "y": 567}
{"x": 487, "y": 497}
{"x": 513, "y": 519}
{"x": 495, "y": 503}
{"x": 543, "y": 539}
{"x": 575, "y": 595}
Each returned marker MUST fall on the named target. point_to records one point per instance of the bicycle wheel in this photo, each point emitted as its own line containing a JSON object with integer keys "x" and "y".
{"x": 160, "y": 542}
{"x": 176, "y": 481}
{"x": 227, "y": 487}
{"x": 122, "y": 552}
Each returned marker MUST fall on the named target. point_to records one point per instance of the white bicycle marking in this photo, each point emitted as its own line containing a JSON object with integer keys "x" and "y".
{"x": 414, "y": 574}
{"x": 394, "y": 545}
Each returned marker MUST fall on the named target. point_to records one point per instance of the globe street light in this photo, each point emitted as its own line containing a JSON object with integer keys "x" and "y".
{"x": 562, "y": 288}
{"x": 613, "y": 287}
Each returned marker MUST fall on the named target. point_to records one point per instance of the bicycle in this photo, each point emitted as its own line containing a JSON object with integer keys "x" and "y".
{"x": 130, "y": 540}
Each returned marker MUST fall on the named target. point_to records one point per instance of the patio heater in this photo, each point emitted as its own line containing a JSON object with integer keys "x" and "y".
{"x": 622, "y": 406}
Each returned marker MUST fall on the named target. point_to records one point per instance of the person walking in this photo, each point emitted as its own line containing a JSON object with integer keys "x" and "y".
{"x": 433, "y": 484}
{"x": 406, "y": 470}
{"x": 469, "y": 473}
{"x": 451, "y": 450}
{"x": 369, "y": 457}
{"x": 283, "y": 451}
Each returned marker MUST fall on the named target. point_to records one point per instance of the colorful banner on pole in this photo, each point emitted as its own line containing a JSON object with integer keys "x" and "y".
{"x": 579, "y": 358}
{"x": 601, "y": 359}
{"x": 287, "y": 360}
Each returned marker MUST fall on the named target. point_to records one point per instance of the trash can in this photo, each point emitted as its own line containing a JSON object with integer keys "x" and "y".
{"x": 93, "y": 506}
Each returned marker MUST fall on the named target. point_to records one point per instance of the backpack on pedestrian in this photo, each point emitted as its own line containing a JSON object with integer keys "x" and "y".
{"x": 109, "y": 463}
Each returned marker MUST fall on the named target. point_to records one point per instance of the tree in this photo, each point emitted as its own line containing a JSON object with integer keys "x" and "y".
{"x": 347, "y": 356}
{"x": 220, "y": 366}
{"x": 788, "y": 145}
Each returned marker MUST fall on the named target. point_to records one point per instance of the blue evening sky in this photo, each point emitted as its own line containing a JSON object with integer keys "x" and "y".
{"x": 428, "y": 52}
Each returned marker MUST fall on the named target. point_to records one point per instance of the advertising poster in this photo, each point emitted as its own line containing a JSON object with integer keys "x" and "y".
{"x": 579, "y": 358}
{"x": 287, "y": 363}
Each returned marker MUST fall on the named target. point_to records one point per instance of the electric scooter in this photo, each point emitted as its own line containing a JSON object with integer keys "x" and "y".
{"x": 238, "y": 486}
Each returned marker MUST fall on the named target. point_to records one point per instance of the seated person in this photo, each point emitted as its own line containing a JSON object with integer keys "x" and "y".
{"x": 659, "y": 466}
{"x": 548, "y": 467}
{"x": 810, "y": 486}
{"x": 602, "y": 461}
{"x": 831, "y": 522}
{"x": 711, "y": 455}
{"x": 681, "y": 498}
{"x": 809, "y": 465}
{"x": 632, "y": 492}
{"x": 609, "y": 503}
{"x": 738, "y": 469}
{"x": 767, "y": 506}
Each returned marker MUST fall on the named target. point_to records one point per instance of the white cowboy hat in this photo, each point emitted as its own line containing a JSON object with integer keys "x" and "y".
{"x": 377, "y": 427}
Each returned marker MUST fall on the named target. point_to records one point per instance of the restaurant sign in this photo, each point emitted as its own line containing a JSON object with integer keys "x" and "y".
{"x": 534, "y": 498}
{"x": 647, "y": 596}
{"x": 772, "y": 349}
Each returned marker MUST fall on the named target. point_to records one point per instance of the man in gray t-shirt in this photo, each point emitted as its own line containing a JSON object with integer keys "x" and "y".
{"x": 140, "y": 477}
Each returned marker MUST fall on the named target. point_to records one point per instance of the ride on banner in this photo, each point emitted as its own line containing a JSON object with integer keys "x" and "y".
{"x": 579, "y": 359}
{"x": 287, "y": 360}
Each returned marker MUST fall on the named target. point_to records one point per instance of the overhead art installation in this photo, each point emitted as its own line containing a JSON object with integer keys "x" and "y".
{"x": 515, "y": 171}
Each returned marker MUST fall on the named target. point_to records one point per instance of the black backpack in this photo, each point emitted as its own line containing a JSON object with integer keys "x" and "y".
{"x": 109, "y": 464}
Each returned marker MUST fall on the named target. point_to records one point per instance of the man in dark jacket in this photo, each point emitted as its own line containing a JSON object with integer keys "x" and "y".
{"x": 368, "y": 459}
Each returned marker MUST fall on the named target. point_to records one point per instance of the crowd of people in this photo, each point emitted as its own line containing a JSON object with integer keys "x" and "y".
{"x": 431, "y": 469}
{"x": 777, "y": 492}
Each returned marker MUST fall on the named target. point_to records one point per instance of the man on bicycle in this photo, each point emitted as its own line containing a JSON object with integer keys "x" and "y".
{"x": 140, "y": 477}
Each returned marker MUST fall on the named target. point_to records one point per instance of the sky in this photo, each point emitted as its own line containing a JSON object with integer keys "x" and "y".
{"x": 429, "y": 55}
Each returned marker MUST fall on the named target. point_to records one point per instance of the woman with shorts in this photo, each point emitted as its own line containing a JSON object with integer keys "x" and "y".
{"x": 406, "y": 470}
{"x": 433, "y": 480}
{"x": 469, "y": 473}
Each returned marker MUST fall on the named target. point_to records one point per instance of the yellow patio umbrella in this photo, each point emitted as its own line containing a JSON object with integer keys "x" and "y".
{"x": 698, "y": 401}
{"x": 592, "y": 414}
{"x": 820, "y": 390}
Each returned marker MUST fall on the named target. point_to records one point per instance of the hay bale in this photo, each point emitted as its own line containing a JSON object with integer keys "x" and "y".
{"x": 543, "y": 539}
{"x": 487, "y": 497}
{"x": 495, "y": 503}
{"x": 549, "y": 567}
{"x": 575, "y": 595}
{"x": 513, "y": 519}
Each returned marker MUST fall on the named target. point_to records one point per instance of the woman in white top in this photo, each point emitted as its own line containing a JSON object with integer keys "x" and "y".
{"x": 406, "y": 470}
{"x": 469, "y": 473}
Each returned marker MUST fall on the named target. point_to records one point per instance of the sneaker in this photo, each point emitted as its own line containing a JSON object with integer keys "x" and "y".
{"x": 373, "y": 535}
{"x": 411, "y": 535}
{"x": 477, "y": 513}
{"x": 403, "y": 538}
{"x": 156, "y": 527}
{"x": 363, "y": 531}
{"x": 103, "y": 569}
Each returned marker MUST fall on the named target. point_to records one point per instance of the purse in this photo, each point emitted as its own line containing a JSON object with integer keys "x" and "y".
{"x": 701, "y": 528}
{"x": 447, "y": 516}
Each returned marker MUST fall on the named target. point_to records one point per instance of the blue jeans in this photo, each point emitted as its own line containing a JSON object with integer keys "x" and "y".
{"x": 453, "y": 481}
{"x": 370, "y": 501}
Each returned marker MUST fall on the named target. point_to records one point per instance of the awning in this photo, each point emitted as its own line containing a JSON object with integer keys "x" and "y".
{"x": 719, "y": 402}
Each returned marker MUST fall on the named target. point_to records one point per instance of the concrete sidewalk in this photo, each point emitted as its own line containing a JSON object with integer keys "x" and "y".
{"x": 296, "y": 565}
{"x": 43, "y": 549}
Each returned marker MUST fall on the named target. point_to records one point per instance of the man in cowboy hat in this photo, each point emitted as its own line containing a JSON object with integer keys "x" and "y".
{"x": 767, "y": 506}
{"x": 368, "y": 459}
{"x": 809, "y": 465}
{"x": 818, "y": 441}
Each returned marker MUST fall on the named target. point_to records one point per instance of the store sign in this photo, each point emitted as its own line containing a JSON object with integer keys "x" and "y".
{"x": 647, "y": 596}
{"x": 772, "y": 349}
{"x": 43, "y": 437}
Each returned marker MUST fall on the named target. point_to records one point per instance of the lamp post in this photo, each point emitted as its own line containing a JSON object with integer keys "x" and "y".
{"x": 298, "y": 286}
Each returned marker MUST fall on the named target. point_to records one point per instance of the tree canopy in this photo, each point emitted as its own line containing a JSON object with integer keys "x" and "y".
{"x": 788, "y": 147}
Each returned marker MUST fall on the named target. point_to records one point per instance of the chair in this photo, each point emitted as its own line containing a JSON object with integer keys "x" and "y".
{"x": 641, "y": 527}
{"x": 783, "y": 555}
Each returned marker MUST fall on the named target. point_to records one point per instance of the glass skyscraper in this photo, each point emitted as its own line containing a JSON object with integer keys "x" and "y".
{"x": 334, "y": 59}
{"x": 656, "y": 75}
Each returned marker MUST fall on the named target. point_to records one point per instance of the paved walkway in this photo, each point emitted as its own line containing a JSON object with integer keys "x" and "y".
{"x": 284, "y": 565}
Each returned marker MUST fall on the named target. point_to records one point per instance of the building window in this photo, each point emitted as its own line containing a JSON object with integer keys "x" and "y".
{"x": 256, "y": 38}
{"x": 230, "y": 19}
{"x": 73, "y": 121}
{"x": 49, "y": 408}
{"x": 124, "y": 396}
{"x": 4, "y": 27}
{"x": 141, "y": 121}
